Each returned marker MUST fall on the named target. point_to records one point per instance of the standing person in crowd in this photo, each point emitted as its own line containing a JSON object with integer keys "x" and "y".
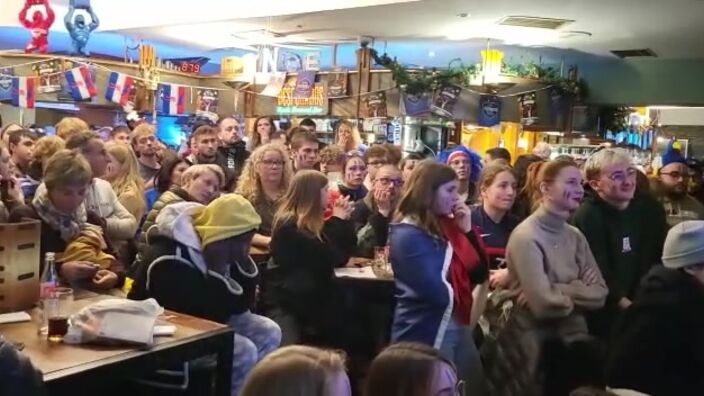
{"x": 205, "y": 151}
{"x": 347, "y": 137}
{"x": 371, "y": 216}
{"x": 332, "y": 159}
{"x": 497, "y": 190}
{"x": 497, "y": 153}
{"x": 68, "y": 126}
{"x": 199, "y": 183}
{"x": 671, "y": 189}
{"x": 658, "y": 347}
{"x": 264, "y": 181}
{"x": 199, "y": 265}
{"x": 467, "y": 165}
{"x": 123, "y": 174}
{"x": 625, "y": 231}
{"x": 554, "y": 279}
{"x": 100, "y": 198}
{"x": 120, "y": 134}
{"x": 6, "y": 130}
{"x": 528, "y": 198}
{"x": 169, "y": 176}
{"x": 412, "y": 369}
{"x": 395, "y": 154}
{"x": 299, "y": 370}
{"x": 305, "y": 250}
{"x": 145, "y": 146}
{"x": 10, "y": 192}
{"x": 43, "y": 149}
{"x": 440, "y": 270}
{"x": 21, "y": 146}
{"x": 232, "y": 147}
{"x": 264, "y": 127}
{"x": 375, "y": 157}
{"x": 304, "y": 149}
{"x": 542, "y": 150}
{"x": 280, "y": 137}
{"x": 354, "y": 170}
{"x": 59, "y": 206}
{"x": 408, "y": 163}
{"x": 308, "y": 124}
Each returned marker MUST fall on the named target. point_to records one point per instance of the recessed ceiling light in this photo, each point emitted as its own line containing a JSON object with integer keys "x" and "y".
{"x": 462, "y": 15}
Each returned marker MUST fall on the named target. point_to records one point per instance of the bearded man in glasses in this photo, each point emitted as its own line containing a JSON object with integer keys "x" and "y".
{"x": 671, "y": 189}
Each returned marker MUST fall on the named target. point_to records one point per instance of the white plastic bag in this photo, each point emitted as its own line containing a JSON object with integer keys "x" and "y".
{"x": 115, "y": 321}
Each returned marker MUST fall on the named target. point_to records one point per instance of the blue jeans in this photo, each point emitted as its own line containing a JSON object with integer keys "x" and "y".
{"x": 458, "y": 347}
{"x": 255, "y": 337}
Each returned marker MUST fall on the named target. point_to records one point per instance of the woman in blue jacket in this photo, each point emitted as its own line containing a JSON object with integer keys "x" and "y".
{"x": 440, "y": 270}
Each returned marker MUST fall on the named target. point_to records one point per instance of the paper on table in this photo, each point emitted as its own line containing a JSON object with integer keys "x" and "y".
{"x": 361, "y": 273}
{"x": 15, "y": 317}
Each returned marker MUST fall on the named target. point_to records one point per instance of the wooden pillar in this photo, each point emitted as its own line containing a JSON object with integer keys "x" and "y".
{"x": 364, "y": 65}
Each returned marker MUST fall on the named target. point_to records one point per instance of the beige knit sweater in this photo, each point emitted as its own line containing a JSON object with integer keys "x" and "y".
{"x": 550, "y": 261}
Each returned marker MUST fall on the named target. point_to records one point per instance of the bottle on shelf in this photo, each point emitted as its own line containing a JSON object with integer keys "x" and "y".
{"x": 47, "y": 291}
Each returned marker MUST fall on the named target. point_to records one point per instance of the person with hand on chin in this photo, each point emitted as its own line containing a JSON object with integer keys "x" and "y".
{"x": 441, "y": 270}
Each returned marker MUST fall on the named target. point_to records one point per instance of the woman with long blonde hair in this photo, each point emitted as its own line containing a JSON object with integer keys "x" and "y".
{"x": 123, "y": 174}
{"x": 265, "y": 178}
{"x": 305, "y": 250}
{"x": 347, "y": 137}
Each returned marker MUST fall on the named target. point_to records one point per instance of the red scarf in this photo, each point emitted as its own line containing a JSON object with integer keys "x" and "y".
{"x": 464, "y": 259}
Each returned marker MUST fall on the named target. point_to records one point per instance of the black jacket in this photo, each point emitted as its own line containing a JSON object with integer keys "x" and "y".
{"x": 235, "y": 156}
{"x": 659, "y": 347}
{"x": 169, "y": 274}
{"x": 17, "y": 374}
{"x": 372, "y": 227}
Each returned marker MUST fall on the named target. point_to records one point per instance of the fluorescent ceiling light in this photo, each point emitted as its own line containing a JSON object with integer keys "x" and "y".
{"x": 516, "y": 35}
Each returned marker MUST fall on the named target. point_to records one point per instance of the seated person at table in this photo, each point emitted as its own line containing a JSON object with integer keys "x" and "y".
{"x": 497, "y": 191}
{"x": 265, "y": 178}
{"x": 372, "y": 214}
{"x": 199, "y": 264}
{"x": 305, "y": 250}
{"x": 65, "y": 223}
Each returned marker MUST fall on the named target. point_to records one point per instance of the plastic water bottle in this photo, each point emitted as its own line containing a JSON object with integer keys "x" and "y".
{"x": 47, "y": 291}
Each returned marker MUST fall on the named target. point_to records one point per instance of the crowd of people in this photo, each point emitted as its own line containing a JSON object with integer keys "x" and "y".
{"x": 533, "y": 277}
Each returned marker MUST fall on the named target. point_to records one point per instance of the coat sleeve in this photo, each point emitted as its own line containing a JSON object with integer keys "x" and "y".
{"x": 340, "y": 236}
{"x": 589, "y": 291}
{"x": 526, "y": 261}
{"x": 134, "y": 204}
{"x": 120, "y": 224}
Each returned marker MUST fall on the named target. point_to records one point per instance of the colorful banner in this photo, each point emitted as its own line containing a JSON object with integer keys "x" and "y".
{"x": 171, "y": 99}
{"x": 416, "y": 105}
{"x": 528, "y": 107}
{"x": 304, "y": 84}
{"x": 23, "y": 92}
{"x": 375, "y": 104}
{"x": 337, "y": 84}
{"x": 49, "y": 76}
{"x": 489, "y": 110}
{"x": 119, "y": 88}
{"x": 276, "y": 82}
{"x": 79, "y": 83}
{"x": 208, "y": 103}
{"x": 6, "y": 74}
{"x": 445, "y": 100}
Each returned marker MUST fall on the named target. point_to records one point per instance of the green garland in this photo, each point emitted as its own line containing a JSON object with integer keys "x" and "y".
{"x": 457, "y": 73}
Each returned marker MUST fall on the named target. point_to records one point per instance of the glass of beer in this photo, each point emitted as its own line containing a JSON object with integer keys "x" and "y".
{"x": 58, "y": 312}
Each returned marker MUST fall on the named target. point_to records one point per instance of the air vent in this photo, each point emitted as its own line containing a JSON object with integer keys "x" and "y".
{"x": 535, "y": 22}
{"x": 635, "y": 53}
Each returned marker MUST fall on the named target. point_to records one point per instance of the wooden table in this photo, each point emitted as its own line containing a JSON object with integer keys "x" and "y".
{"x": 78, "y": 369}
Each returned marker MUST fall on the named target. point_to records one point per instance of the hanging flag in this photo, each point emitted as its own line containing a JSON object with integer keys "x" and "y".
{"x": 80, "y": 83}
{"x": 6, "y": 74}
{"x": 119, "y": 87}
{"x": 489, "y": 110}
{"x": 173, "y": 99}
{"x": 23, "y": 92}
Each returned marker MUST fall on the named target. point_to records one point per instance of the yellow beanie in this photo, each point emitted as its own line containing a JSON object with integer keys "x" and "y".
{"x": 227, "y": 216}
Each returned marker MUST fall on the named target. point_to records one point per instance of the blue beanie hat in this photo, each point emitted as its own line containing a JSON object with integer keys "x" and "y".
{"x": 474, "y": 159}
{"x": 672, "y": 155}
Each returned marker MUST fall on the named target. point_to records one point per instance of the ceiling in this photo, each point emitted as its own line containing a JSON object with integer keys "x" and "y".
{"x": 673, "y": 29}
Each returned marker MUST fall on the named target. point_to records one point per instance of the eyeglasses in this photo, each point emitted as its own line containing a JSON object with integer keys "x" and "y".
{"x": 622, "y": 177}
{"x": 677, "y": 175}
{"x": 385, "y": 182}
{"x": 272, "y": 163}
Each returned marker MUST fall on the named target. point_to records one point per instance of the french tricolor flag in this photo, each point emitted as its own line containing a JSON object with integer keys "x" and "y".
{"x": 23, "y": 92}
{"x": 119, "y": 87}
{"x": 80, "y": 83}
{"x": 173, "y": 98}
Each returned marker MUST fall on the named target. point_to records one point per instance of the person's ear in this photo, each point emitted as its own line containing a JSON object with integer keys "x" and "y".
{"x": 594, "y": 184}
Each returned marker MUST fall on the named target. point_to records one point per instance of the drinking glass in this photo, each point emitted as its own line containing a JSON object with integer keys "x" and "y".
{"x": 58, "y": 310}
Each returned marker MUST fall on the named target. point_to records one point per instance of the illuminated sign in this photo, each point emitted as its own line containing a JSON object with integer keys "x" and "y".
{"x": 315, "y": 104}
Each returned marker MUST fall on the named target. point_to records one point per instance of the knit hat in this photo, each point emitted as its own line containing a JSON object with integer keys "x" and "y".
{"x": 683, "y": 245}
{"x": 672, "y": 155}
{"x": 227, "y": 216}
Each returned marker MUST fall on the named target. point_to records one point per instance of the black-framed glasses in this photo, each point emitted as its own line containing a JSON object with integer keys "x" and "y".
{"x": 385, "y": 182}
{"x": 677, "y": 175}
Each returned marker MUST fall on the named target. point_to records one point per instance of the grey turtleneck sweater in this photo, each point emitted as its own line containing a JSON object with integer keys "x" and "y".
{"x": 550, "y": 261}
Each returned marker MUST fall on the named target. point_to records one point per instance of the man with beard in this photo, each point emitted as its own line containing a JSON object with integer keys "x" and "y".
{"x": 205, "y": 151}
{"x": 232, "y": 147}
{"x": 625, "y": 231}
{"x": 371, "y": 215}
{"x": 144, "y": 145}
{"x": 671, "y": 190}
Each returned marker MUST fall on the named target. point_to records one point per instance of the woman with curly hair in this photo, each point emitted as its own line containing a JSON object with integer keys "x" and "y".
{"x": 264, "y": 180}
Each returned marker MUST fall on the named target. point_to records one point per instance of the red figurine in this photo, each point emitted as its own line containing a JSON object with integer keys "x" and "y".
{"x": 38, "y": 26}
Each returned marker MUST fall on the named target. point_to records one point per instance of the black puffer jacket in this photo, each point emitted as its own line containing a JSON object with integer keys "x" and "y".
{"x": 17, "y": 374}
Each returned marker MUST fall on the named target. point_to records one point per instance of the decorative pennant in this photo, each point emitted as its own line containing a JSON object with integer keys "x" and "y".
{"x": 528, "y": 107}
{"x": 79, "y": 83}
{"x": 416, "y": 105}
{"x": 171, "y": 99}
{"x": 23, "y": 92}
{"x": 6, "y": 74}
{"x": 276, "y": 82}
{"x": 305, "y": 81}
{"x": 337, "y": 84}
{"x": 489, "y": 110}
{"x": 375, "y": 104}
{"x": 48, "y": 76}
{"x": 119, "y": 88}
{"x": 445, "y": 100}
